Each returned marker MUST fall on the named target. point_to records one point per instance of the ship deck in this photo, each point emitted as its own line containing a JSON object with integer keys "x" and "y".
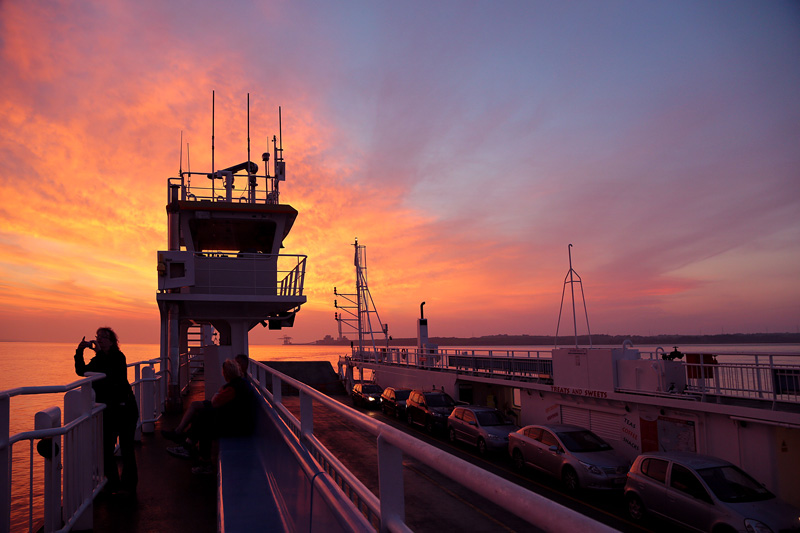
{"x": 169, "y": 496}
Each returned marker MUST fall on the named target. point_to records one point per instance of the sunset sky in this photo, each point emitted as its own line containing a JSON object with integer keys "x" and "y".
{"x": 465, "y": 143}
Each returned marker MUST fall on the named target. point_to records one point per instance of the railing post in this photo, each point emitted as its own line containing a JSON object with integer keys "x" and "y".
{"x": 147, "y": 409}
{"x": 306, "y": 414}
{"x": 277, "y": 386}
{"x": 78, "y": 451}
{"x": 5, "y": 472}
{"x": 390, "y": 483}
{"x": 772, "y": 374}
{"x": 137, "y": 394}
{"x": 48, "y": 419}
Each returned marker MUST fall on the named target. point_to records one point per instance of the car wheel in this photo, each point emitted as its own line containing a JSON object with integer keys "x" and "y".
{"x": 429, "y": 425}
{"x": 481, "y": 446}
{"x": 452, "y": 435}
{"x": 635, "y": 507}
{"x": 570, "y": 479}
{"x": 724, "y": 529}
{"x": 409, "y": 419}
{"x": 519, "y": 461}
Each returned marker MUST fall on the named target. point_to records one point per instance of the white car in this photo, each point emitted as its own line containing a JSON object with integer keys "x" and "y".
{"x": 704, "y": 493}
{"x": 575, "y": 455}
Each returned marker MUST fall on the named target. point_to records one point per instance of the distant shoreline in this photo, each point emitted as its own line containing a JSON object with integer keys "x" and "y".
{"x": 564, "y": 340}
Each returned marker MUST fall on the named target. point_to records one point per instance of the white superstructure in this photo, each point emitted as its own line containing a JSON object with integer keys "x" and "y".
{"x": 223, "y": 266}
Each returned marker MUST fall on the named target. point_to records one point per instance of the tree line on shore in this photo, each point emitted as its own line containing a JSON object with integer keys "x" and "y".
{"x": 597, "y": 340}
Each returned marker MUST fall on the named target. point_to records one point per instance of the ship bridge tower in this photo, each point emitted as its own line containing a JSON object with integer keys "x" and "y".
{"x": 223, "y": 267}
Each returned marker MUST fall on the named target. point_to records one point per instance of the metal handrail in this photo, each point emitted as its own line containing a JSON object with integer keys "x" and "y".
{"x": 264, "y": 195}
{"x": 81, "y": 411}
{"x": 82, "y": 448}
{"x": 393, "y": 444}
{"x": 763, "y": 378}
{"x": 290, "y": 282}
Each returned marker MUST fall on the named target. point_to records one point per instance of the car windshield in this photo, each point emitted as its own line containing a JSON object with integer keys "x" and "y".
{"x": 490, "y": 418}
{"x": 731, "y": 484}
{"x": 369, "y": 389}
{"x": 583, "y": 441}
{"x": 439, "y": 400}
{"x": 401, "y": 394}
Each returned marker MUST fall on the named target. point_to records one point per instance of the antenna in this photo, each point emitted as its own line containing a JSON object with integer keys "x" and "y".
{"x": 188, "y": 164}
{"x": 248, "y": 133}
{"x": 251, "y": 180}
{"x": 180, "y": 164}
{"x": 571, "y": 275}
{"x": 213, "y": 181}
{"x": 213, "y": 105}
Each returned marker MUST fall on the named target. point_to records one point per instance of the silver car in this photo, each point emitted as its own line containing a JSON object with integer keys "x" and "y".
{"x": 704, "y": 493}
{"x": 483, "y": 427}
{"x": 575, "y": 455}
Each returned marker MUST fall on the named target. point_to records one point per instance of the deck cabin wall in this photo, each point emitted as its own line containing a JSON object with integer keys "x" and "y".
{"x": 788, "y": 463}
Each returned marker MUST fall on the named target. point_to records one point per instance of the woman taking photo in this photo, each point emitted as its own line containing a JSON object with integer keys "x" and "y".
{"x": 121, "y": 413}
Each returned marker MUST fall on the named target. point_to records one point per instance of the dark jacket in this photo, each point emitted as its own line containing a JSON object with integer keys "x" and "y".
{"x": 114, "y": 389}
{"x": 236, "y": 407}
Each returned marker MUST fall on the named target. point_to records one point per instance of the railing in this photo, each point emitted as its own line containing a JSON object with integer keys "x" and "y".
{"x": 292, "y": 283}
{"x": 249, "y": 274}
{"x": 266, "y": 194}
{"x": 82, "y": 455}
{"x": 76, "y": 446}
{"x": 392, "y": 445}
{"x": 191, "y": 362}
{"x": 149, "y": 388}
{"x": 769, "y": 377}
{"x": 764, "y": 378}
{"x": 532, "y": 365}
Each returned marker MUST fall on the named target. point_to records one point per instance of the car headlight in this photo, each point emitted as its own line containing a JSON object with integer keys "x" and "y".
{"x": 370, "y": 398}
{"x": 755, "y": 526}
{"x": 591, "y": 468}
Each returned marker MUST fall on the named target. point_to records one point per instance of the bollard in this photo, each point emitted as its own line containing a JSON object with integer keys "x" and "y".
{"x": 50, "y": 449}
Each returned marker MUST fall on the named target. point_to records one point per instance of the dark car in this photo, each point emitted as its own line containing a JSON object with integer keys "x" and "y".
{"x": 367, "y": 394}
{"x": 483, "y": 427}
{"x": 429, "y": 409}
{"x": 573, "y": 454}
{"x": 393, "y": 401}
{"x": 704, "y": 493}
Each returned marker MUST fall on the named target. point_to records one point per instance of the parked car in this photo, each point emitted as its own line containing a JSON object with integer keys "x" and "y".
{"x": 575, "y": 455}
{"x": 704, "y": 493}
{"x": 393, "y": 401}
{"x": 429, "y": 409}
{"x": 367, "y": 394}
{"x": 483, "y": 427}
